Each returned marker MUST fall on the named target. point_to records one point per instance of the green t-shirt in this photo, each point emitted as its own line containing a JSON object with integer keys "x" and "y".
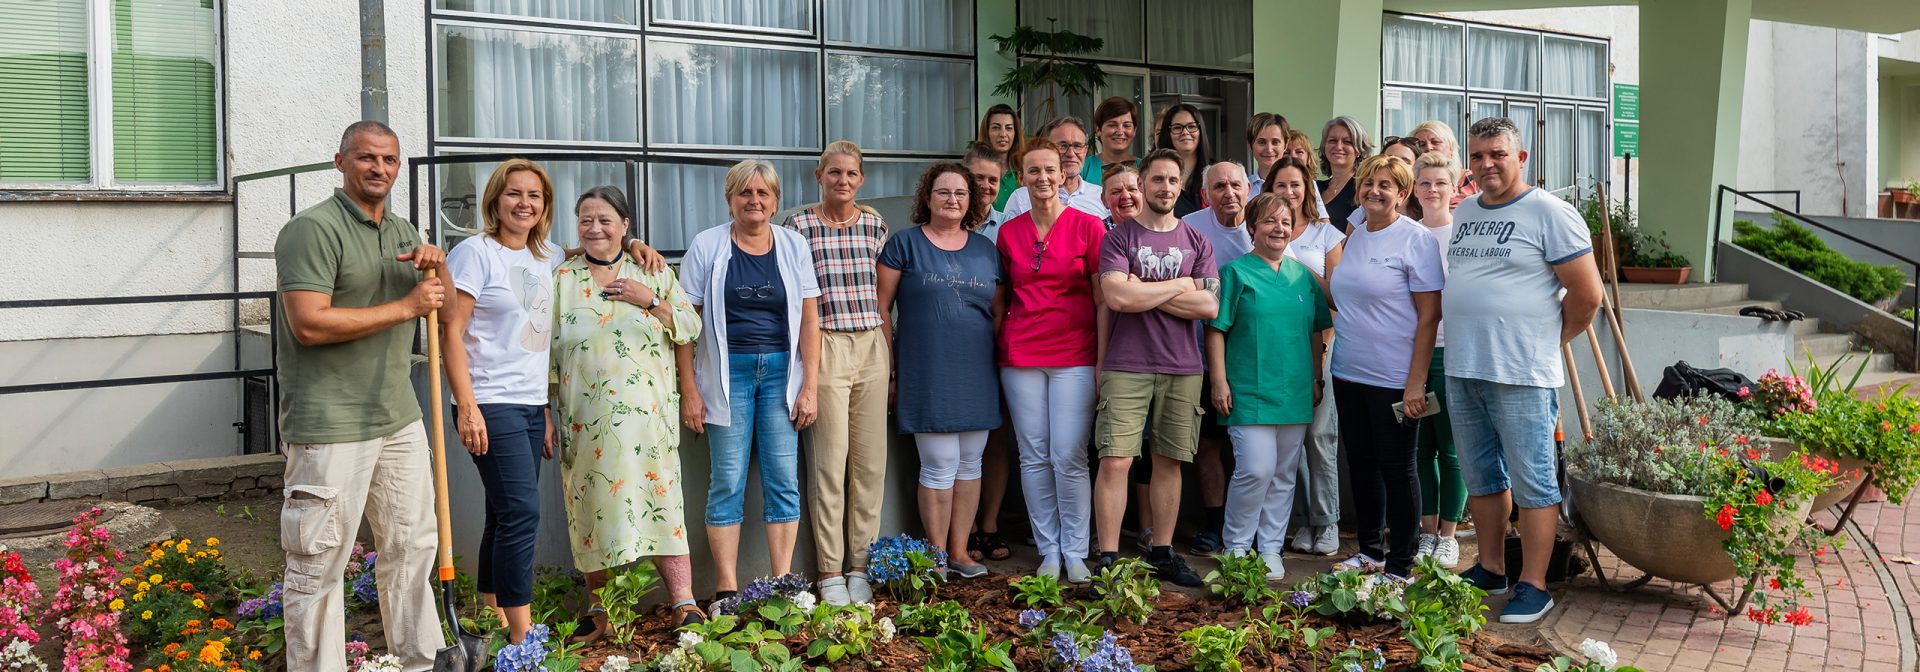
{"x": 359, "y": 389}
{"x": 1008, "y": 183}
{"x": 1269, "y": 317}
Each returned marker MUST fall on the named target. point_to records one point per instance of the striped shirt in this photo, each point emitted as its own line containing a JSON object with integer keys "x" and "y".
{"x": 844, "y": 259}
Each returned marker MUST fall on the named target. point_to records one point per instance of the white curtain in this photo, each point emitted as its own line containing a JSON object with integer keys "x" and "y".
{"x": 904, "y": 104}
{"x": 533, "y": 85}
{"x": 931, "y": 25}
{"x": 1595, "y": 155}
{"x": 462, "y": 186}
{"x": 887, "y": 178}
{"x": 1555, "y": 160}
{"x": 775, "y": 14}
{"x": 685, "y": 200}
{"x": 1119, "y": 22}
{"x": 1421, "y": 52}
{"x": 706, "y": 94}
{"x": 1418, "y": 106}
{"x": 1498, "y": 59}
{"x": 1573, "y": 68}
{"x": 1217, "y": 33}
{"x": 601, "y": 11}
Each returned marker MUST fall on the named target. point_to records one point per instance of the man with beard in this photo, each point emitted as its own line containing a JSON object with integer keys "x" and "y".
{"x": 1158, "y": 278}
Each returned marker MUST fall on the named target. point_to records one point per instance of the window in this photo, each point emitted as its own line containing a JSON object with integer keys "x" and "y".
{"x": 1554, "y": 87}
{"x": 707, "y": 79}
{"x": 110, "y": 94}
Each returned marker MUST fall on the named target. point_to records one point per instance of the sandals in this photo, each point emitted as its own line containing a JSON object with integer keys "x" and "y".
{"x": 587, "y": 630}
{"x": 988, "y": 546}
{"x": 689, "y": 615}
{"x": 1206, "y": 543}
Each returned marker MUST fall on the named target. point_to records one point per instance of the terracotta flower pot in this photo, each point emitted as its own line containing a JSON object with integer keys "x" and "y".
{"x": 1667, "y": 536}
{"x": 1664, "y": 276}
{"x": 1852, "y": 470}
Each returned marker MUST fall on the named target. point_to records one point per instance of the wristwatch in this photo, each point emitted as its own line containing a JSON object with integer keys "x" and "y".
{"x": 655, "y": 304}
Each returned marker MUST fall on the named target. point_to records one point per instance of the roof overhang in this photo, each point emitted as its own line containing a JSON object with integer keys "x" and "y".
{"x": 1871, "y": 16}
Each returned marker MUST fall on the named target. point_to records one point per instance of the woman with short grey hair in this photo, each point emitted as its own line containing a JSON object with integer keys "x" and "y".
{"x": 1343, "y": 145}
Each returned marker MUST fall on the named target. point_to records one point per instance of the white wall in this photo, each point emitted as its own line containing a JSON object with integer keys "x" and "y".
{"x": 1808, "y": 117}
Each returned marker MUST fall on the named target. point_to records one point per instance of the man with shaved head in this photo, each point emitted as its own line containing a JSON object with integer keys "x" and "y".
{"x": 1224, "y": 224}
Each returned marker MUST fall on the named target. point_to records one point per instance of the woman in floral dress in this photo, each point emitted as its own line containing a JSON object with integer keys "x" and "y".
{"x": 619, "y": 335}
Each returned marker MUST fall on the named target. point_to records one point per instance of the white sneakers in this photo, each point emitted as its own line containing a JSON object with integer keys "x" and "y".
{"x": 1303, "y": 539}
{"x": 1445, "y": 550}
{"x": 1423, "y": 546}
{"x": 1077, "y": 571}
{"x": 1276, "y": 568}
{"x": 859, "y": 589}
{"x": 834, "y": 591}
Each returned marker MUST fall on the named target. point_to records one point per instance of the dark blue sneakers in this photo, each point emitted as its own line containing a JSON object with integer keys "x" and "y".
{"x": 1527, "y": 605}
{"x": 1494, "y": 584}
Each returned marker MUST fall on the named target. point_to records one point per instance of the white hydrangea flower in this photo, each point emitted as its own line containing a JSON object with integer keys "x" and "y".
{"x": 886, "y": 630}
{"x": 1598, "y": 652}
{"x": 383, "y": 663}
{"x": 804, "y": 601}
{"x": 689, "y": 639}
{"x": 678, "y": 660}
{"x": 616, "y": 664}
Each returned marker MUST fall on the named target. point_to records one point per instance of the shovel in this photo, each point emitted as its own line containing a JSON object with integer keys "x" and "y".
{"x": 469, "y": 650}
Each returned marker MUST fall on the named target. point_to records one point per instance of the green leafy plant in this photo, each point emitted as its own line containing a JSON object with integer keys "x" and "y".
{"x": 621, "y": 596}
{"x": 908, "y": 568}
{"x": 564, "y": 655}
{"x": 1241, "y": 578}
{"x": 1216, "y": 648}
{"x": 1048, "y": 60}
{"x": 1355, "y": 657}
{"x": 1797, "y": 247}
{"x": 934, "y": 618}
{"x": 1125, "y": 591}
{"x": 849, "y": 631}
{"x": 966, "y": 650}
{"x": 1648, "y": 250}
{"x": 1438, "y": 593}
{"x": 556, "y": 592}
{"x": 1353, "y": 593}
{"x": 726, "y": 643}
{"x": 1040, "y": 591}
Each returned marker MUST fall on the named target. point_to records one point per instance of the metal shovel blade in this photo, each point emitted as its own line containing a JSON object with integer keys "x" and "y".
{"x": 469, "y": 650}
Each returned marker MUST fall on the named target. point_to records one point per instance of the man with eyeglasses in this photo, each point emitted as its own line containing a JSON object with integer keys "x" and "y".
{"x": 1071, "y": 136}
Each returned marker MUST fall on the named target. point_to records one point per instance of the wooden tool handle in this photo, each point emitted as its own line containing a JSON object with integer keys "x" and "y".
{"x": 1579, "y": 399}
{"x": 1600, "y": 363}
{"x": 441, "y": 513}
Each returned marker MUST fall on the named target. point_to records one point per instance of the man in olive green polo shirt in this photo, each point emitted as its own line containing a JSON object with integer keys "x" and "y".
{"x": 351, "y": 292}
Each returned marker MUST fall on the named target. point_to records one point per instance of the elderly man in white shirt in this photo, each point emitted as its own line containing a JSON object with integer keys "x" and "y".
{"x": 1071, "y": 136}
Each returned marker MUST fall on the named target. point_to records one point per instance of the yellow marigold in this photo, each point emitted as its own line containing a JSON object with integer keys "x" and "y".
{"x": 155, "y": 579}
{"x": 213, "y": 541}
{"x": 117, "y": 605}
{"x": 126, "y": 581}
{"x": 139, "y": 597}
{"x": 146, "y": 615}
{"x": 143, "y": 587}
{"x": 167, "y": 544}
{"x": 155, "y": 555}
{"x": 199, "y": 604}
{"x": 189, "y": 561}
{"x": 184, "y": 543}
{"x": 253, "y": 655}
{"x": 200, "y": 554}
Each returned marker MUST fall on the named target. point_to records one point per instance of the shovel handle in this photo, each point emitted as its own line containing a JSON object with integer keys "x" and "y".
{"x": 1600, "y": 363}
{"x": 1579, "y": 398}
{"x": 441, "y": 514}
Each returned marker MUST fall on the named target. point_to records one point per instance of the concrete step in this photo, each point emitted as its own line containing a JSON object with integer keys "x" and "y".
{"x": 1823, "y": 347}
{"x": 1872, "y": 383}
{"x": 1726, "y": 307}
{"x": 1679, "y": 297}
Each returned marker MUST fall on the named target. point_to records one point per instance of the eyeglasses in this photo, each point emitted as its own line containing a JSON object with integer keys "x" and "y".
{"x": 951, "y": 194}
{"x": 1039, "y": 250}
{"x": 760, "y": 292}
{"x": 1184, "y": 129}
{"x": 1072, "y": 146}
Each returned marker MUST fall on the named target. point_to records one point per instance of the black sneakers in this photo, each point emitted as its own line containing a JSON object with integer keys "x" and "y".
{"x": 1170, "y": 567}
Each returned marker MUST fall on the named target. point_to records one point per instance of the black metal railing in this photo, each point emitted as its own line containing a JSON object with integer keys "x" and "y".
{"x": 1720, "y": 198}
{"x": 93, "y": 383}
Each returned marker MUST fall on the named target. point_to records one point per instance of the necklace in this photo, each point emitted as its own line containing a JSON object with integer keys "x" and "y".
{"x": 597, "y": 262}
{"x": 822, "y": 211}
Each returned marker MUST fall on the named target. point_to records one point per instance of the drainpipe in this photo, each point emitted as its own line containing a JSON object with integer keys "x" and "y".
{"x": 373, "y": 60}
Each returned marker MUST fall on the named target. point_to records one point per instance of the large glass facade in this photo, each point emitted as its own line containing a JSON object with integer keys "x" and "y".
{"x": 704, "y": 79}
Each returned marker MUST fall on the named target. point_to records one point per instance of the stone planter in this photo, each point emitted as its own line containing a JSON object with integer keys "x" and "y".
{"x": 1666, "y": 536}
{"x": 1663, "y": 276}
{"x": 1852, "y": 471}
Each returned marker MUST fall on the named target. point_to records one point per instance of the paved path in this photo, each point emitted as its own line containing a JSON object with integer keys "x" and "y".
{"x": 1863, "y": 621}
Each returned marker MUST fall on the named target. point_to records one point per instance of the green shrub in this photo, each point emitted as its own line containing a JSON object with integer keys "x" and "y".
{"x": 1796, "y": 247}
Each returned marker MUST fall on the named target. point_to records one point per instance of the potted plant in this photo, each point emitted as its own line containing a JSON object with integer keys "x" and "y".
{"x": 1047, "y": 59}
{"x": 1619, "y": 221}
{"x": 1648, "y": 258}
{"x": 1877, "y": 437}
{"x": 1680, "y": 490}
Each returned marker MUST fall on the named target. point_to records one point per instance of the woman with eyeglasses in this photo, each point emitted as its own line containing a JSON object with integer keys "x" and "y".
{"x": 1047, "y": 358}
{"x": 756, "y": 370}
{"x": 1180, "y": 131}
{"x": 945, "y": 282}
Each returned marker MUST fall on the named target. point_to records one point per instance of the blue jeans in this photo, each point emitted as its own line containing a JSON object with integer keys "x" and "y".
{"x": 757, "y": 401}
{"x": 1504, "y": 437}
{"x": 510, "y": 470}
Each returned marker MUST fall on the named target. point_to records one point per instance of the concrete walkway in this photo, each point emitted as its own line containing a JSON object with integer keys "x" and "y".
{"x": 1863, "y": 621}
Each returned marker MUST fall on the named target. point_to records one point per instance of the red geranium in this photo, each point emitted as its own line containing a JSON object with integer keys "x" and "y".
{"x": 1725, "y": 517}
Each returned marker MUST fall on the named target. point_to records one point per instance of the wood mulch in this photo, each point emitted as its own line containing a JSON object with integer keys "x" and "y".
{"x": 1156, "y": 643}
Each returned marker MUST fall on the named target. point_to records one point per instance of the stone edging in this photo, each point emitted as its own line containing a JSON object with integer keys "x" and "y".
{"x": 176, "y": 482}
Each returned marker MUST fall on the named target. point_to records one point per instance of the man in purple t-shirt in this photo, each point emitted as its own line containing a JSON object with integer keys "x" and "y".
{"x": 1158, "y": 278}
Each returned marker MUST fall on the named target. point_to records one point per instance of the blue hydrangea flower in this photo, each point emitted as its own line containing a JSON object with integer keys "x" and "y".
{"x": 1031, "y": 618}
{"x": 530, "y": 655}
{"x": 1300, "y": 598}
{"x": 1065, "y": 649}
{"x": 364, "y": 588}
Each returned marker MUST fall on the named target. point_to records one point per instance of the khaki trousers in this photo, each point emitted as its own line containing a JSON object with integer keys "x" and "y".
{"x": 328, "y": 487}
{"x": 849, "y": 466}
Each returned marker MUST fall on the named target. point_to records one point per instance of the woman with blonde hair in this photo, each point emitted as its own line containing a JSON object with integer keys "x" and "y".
{"x": 1439, "y": 138}
{"x": 498, "y": 330}
{"x": 1443, "y": 495}
{"x": 755, "y": 378}
{"x": 848, "y": 470}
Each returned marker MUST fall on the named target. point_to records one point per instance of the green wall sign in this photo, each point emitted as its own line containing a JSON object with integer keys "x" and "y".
{"x": 1626, "y": 138}
{"x": 1626, "y": 102}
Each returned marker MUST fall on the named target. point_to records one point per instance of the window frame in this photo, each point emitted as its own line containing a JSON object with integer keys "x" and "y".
{"x": 100, "y": 157}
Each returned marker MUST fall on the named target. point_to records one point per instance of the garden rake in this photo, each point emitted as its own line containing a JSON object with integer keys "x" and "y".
{"x": 469, "y": 650}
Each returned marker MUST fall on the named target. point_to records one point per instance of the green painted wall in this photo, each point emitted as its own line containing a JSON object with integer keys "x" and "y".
{"x": 991, "y": 17}
{"x": 1690, "y": 117}
{"x": 1317, "y": 59}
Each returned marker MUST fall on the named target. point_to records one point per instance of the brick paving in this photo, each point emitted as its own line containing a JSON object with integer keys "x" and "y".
{"x": 1861, "y": 609}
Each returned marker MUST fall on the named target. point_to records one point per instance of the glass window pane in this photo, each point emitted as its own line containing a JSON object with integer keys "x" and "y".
{"x": 163, "y": 82}
{"x": 43, "y": 93}
{"x": 708, "y": 94}
{"x": 1213, "y": 33}
{"x": 907, "y": 104}
{"x": 1036, "y": 112}
{"x": 599, "y": 11}
{"x": 685, "y": 200}
{"x": 1499, "y": 59}
{"x": 931, "y": 25}
{"x": 1414, "y": 107}
{"x": 1595, "y": 160}
{"x": 1421, "y": 52}
{"x": 1225, "y": 104}
{"x": 1554, "y": 163}
{"x": 773, "y": 14}
{"x": 1526, "y": 116}
{"x": 536, "y": 85}
{"x": 1574, "y": 68}
{"x": 890, "y": 178}
{"x": 1119, "y": 22}
{"x": 462, "y": 185}
{"x": 1482, "y": 109}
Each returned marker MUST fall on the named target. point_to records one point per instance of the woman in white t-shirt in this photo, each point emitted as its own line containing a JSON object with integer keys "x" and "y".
{"x": 1443, "y": 496}
{"x": 1386, "y": 286}
{"x": 498, "y": 329}
{"x": 1318, "y": 503}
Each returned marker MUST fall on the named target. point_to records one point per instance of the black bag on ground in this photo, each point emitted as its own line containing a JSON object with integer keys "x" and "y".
{"x": 1684, "y": 380}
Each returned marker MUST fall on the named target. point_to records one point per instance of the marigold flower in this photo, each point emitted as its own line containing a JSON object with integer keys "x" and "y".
{"x": 213, "y": 541}
{"x": 199, "y": 604}
{"x": 155, "y": 579}
{"x": 117, "y": 604}
{"x": 146, "y": 615}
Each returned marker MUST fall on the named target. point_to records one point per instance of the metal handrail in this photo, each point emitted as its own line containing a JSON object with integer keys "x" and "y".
{"x": 96, "y": 383}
